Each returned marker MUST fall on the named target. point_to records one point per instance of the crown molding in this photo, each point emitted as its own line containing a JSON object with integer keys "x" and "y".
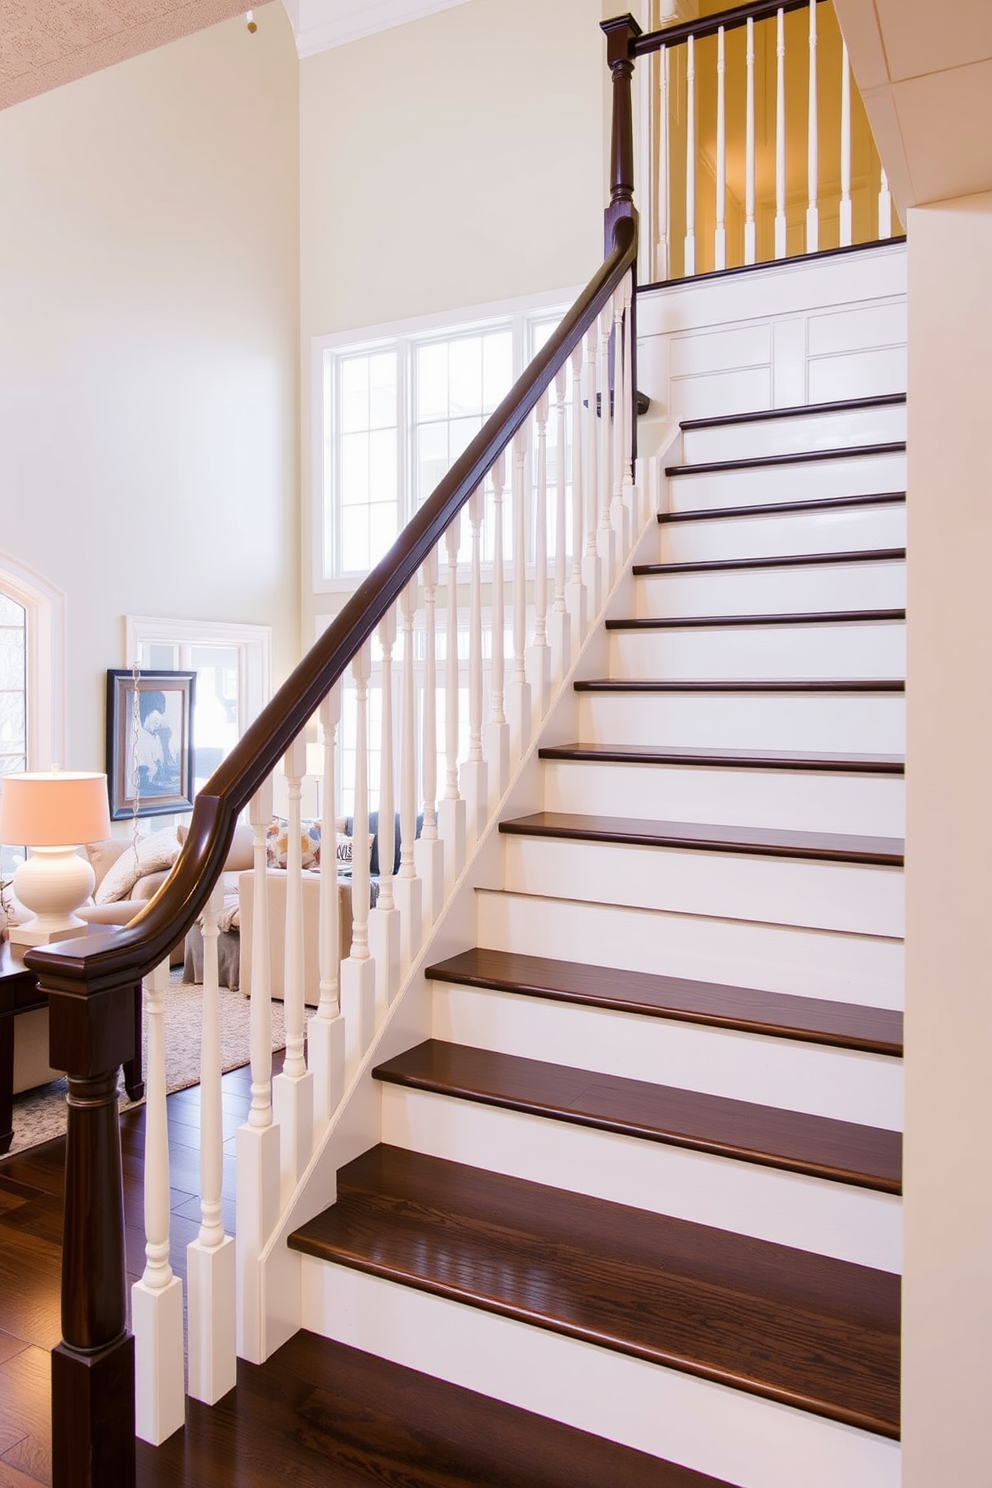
{"x": 320, "y": 25}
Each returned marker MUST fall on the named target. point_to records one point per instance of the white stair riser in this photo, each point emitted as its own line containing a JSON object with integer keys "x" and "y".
{"x": 809, "y": 481}
{"x": 836, "y": 530}
{"x": 772, "y": 591}
{"x": 837, "y": 723}
{"x": 876, "y": 649}
{"x": 841, "y": 1084}
{"x": 835, "y": 1219}
{"x": 809, "y": 431}
{"x": 776, "y": 958}
{"x": 739, "y": 886}
{"x": 712, "y": 1428}
{"x": 799, "y": 800}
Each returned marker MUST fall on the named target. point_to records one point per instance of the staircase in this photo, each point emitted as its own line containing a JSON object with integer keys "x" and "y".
{"x": 644, "y": 1178}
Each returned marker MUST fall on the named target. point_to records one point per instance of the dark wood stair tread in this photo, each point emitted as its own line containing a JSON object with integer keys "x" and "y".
{"x": 801, "y": 457}
{"x": 797, "y": 1142}
{"x": 792, "y": 560}
{"x": 762, "y": 841}
{"x": 741, "y": 684}
{"x": 747, "y": 759}
{"x": 778, "y": 508}
{"x": 795, "y": 410}
{"x": 746, "y": 1009}
{"x": 811, "y": 617}
{"x": 801, "y": 1329}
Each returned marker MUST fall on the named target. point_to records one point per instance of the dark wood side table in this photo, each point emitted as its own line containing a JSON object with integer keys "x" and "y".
{"x": 19, "y": 993}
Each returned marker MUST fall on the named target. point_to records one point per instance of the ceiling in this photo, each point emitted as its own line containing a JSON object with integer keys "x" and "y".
{"x": 925, "y": 72}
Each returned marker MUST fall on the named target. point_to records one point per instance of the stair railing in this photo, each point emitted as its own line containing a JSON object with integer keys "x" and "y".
{"x": 547, "y": 491}
{"x": 757, "y": 148}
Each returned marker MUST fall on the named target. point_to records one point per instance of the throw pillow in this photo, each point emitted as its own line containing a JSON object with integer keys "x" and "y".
{"x": 154, "y": 853}
{"x": 345, "y": 851}
{"x": 277, "y": 843}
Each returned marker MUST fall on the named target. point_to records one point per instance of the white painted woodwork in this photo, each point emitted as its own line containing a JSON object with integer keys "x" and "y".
{"x": 846, "y": 223}
{"x": 452, "y": 816}
{"x": 592, "y": 570}
{"x": 720, "y": 232}
{"x": 325, "y": 1035}
{"x": 497, "y": 741}
{"x": 409, "y": 888}
{"x": 575, "y": 592}
{"x": 790, "y": 800}
{"x": 662, "y": 181}
{"x": 812, "y": 143}
{"x": 793, "y": 1209}
{"x": 834, "y": 530}
{"x": 689, "y": 260}
{"x": 519, "y": 689}
{"x": 539, "y": 651}
{"x": 777, "y": 958}
{"x": 710, "y": 1427}
{"x": 560, "y": 637}
{"x": 619, "y": 516}
{"x": 384, "y": 919}
{"x": 750, "y": 231}
{"x": 839, "y": 429}
{"x": 606, "y": 538}
{"x": 428, "y": 850}
{"x": 809, "y": 480}
{"x": 781, "y": 247}
{"x": 874, "y": 649}
{"x": 840, "y": 1084}
{"x": 292, "y": 1088}
{"x": 805, "y": 588}
{"x": 474, "y": 777}
{"x": 884, "y": 209}
{"x": 358, "y": 968}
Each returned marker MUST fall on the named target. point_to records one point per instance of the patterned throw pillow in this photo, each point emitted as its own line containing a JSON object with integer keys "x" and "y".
{"x": 346, "y": 851}
{"x": 277, "y": 843}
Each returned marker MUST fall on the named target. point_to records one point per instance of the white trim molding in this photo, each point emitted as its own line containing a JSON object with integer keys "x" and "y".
{"x": 46, "y": 679}
{"x": 320, "y": 25}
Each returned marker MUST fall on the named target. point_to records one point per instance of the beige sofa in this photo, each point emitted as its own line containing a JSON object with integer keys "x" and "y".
{"x": 276, "y": 882}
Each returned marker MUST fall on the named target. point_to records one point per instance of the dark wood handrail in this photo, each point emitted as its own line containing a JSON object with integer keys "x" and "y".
{"x": 727, "y": 20}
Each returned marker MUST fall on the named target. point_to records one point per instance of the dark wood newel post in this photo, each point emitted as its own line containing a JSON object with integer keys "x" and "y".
{"x": 621, "y": 33}
{"x": 91, "y": 1034}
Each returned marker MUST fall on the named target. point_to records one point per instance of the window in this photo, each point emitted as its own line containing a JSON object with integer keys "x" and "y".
{"x": 397, "y": 407}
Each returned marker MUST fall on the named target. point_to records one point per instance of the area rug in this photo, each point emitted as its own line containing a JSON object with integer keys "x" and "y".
{"x": 39, "y": 1115}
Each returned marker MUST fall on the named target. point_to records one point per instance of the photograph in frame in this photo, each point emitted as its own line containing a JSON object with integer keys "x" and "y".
{"x": 149, "y": 746}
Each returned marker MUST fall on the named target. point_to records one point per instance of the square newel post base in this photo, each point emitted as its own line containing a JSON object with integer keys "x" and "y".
{"x": 93, "y": 1416}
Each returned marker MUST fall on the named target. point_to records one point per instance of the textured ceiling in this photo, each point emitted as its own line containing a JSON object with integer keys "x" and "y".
{"x": 44, "y": 43}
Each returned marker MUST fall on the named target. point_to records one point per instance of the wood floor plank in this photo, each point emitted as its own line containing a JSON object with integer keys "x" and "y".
{"x": 25, "y": 1412}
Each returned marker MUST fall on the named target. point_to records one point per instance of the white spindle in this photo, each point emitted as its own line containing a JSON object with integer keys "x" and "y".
{"x": 540, "y": 653}
{"x": 591, "y": 565}
{"x": 358, "y": 969}
{"x": 605, "y": 535}
{"x": 474, "y": 776}
{"x": 325, "y": 1036}
{"x": 157, "y": 1299}
{"x": 429, "y": 849}
{"x": 663, "y": 191}
{"x": 618, "y": 512}
{"x": 690, "y": 157}
{"x": 750, "y": 232}
{"x": 408, "y": 889}
{"x": 630, "y": 412}
{"x": 575, "y": 592}
{"x": 720, "y": 236}
{"x": 498, "y": 732}
{"x": 846, "y": 213}
{"x": 812, "y": 143}
{"x": 451, "y": 808}
{"x": 210, "y": 1269}
{"x": 561, "y": 638}
{"x": 884, "y": 209}
{"x": 384, "y": 920}
{"x": 781, "y": 244}
{"x": 519, "y": 693}
{"x": 292, "y": 1089}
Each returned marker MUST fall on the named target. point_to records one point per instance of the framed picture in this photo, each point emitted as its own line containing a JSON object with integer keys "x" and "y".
{"x": 149, "y": 743}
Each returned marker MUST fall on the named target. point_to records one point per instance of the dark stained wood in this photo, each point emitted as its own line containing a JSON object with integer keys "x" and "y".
{"x": 744, "y": 759}
{"x": 772, "y": 263}
{"x": 835, "y": 847}
{"x": 803, "y": 457}
{"x": 729, "y": 20}
{"x": 797, "y": 410}
{"x": 839, "y": 1151}
{"x": 798, "y": 560}
{"x": 778, "y": 508}
{"x": 798, "y": 1328}
{"x": 813, "y": 617}
{"x": 321, "y": 1415}
{"x": 748, "y": 1009}
{"x": 741, "y": 684}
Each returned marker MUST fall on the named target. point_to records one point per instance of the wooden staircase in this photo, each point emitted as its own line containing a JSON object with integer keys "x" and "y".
{"x": 644, "y": 1178}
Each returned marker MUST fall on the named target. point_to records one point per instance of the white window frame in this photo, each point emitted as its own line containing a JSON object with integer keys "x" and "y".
{"x": 46, "y": 673}
{"x": 517, "y": 314}
{"x": 253, "y": 644}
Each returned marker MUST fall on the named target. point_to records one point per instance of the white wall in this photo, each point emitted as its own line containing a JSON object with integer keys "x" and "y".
{"x": 149, "y": 273}
{"x": 948, "y": 1192}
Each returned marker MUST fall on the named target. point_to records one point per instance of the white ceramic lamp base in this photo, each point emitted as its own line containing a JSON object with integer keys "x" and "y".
{"x": 53, "y": 882}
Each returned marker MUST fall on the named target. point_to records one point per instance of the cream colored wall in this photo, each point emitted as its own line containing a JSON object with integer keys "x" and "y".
{"x": 948, "y": 1193}
{"x": 424, "y": 152}
{"x": 149, "y": 279}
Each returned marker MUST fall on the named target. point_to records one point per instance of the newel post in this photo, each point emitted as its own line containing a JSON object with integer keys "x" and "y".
{"x": 621, "y": 33}
{"x": 91, "y": 1034}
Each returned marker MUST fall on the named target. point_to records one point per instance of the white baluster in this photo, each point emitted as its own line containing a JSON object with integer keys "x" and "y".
{"x": 498, "y": 729}
{"x": 591, "y": 563}
{"x": 626, "y": 431}
{"x": 619, "y": 516}
{"x": 325, "y": 1036}
{"x": 663, "y": 250}
{"x": 429, "y": 849}
{"x": 561, "y": 636}
{"x": 606, "y": 541}
{"x": 292, "y": 1089}
{"x": 474, "y": 775}
{"x": 781, "y": 235}
{"x": 575, "y": 592}
{"x": 884, "y": 209}
{"x": 518, "y": 700}
{"x": 258, "y": 1139}
{"x": 384, "y": 919}
{"x": 409, "y": 888}
{"x": 358, "y": 968}
{"x": 812, "y": 144}
{"x": 210, "y": 1273}
{"x": 750, "y": 232}
{"x": 846, "y": 211}
{"x": 451, "y": 821}
{"x": 157, "y": 1299}
{"x": 690, "y": 159}
{"x": 720, "y": 235}
{"x": 539, "y": 653}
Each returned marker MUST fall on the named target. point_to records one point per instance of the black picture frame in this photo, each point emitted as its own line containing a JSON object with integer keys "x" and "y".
{"x": 150, "y": 769}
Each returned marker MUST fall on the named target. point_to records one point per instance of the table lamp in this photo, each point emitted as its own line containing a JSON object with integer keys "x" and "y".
{"x": 53, "y": 813}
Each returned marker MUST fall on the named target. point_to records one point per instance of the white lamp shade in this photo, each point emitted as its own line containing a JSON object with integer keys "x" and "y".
{"x": 54, "y": 808}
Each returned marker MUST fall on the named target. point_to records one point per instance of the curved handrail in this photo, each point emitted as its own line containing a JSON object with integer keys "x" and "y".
{"x": 108, "y": 959}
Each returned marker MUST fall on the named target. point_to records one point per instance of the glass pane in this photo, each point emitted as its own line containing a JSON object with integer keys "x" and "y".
{"x": 354, "y": 393}
{"x": 465, "y": 372}
{"x": 382, "y": 466}
{"x": 432, "y": 381}
{"x": 11, "y": 613}
{"x": 355, "y": 540}
{"x": 431, "y": 458}
{"x": 382, "y": 391}
{"x": 382, "y": 530}
{"x": 461, "y": 431}
{"x": 12, "y": 731}
{"x": 12, "y": 658}
{"x": 354, "y": 469}
{"x": 497, "y": 368}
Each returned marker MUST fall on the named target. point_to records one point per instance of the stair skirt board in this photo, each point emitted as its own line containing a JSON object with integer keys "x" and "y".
{"x": 778, "y": 534}
{"x": 843, "y": 1084}
{"x": 864, "y": 723}
{"x": 849, "y": 649}
{"x": 789, "y": 799}
{"x": 713, "y": 1428}
{"x": 794, "y": 1209}
{"x": 866, "y": 475}
{"x": 862, "y": 585}
{"x": 776, "y": 958}
{"x": 704, "y": 441}
{"x": 868, "y": 900}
